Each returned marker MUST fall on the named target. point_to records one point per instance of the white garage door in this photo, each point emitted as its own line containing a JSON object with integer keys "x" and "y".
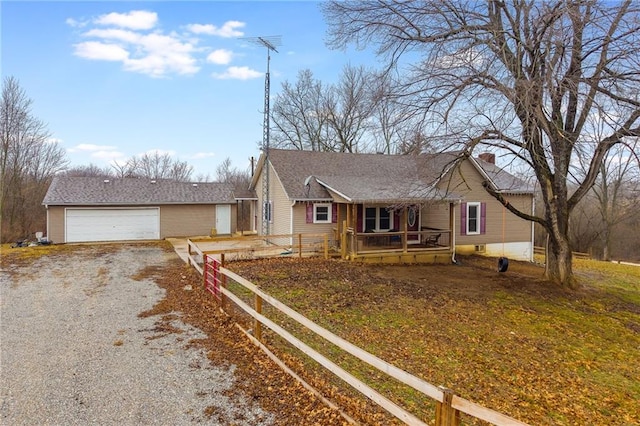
{"x": 112, "y": 224}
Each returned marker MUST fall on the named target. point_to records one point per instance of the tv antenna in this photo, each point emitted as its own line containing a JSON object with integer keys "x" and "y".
{"x": 270, "y": 42}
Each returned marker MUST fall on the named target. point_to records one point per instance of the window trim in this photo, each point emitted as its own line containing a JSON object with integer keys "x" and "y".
{"x": 378, "y": 210}
{"x": 478, "y": 216}
{"x": 315, "y": 212}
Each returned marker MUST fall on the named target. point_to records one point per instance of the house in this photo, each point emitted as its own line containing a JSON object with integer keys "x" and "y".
{"x": 403, "y": 208}
{"x": 83, "y": 209}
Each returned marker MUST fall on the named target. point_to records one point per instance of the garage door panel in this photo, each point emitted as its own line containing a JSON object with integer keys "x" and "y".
{"x": 112, "y": 224}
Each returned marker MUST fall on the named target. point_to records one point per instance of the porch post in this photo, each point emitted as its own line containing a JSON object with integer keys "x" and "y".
{"x": 452, "y": 227}
{"x": 405, "y": 237}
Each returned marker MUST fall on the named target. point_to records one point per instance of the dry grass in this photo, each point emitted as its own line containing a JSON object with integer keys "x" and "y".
{"x": 511, "y": 342}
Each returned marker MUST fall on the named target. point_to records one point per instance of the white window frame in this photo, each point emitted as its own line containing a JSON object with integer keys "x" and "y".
{"x": 315, "y": 212}
{"x": 378, "y": 209}
{"x": 267, "y": 211}
{"x": 478, "y": 206}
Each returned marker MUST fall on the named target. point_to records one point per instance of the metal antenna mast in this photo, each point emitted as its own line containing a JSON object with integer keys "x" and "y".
{"x": 270, "y": 42}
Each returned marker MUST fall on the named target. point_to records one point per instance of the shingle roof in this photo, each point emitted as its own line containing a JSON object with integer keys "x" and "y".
{"x": 503, "y": 181}
{"x": 374, "y": 177}
{"x": 66, "y": 190}
{"x": 359, "y": 177}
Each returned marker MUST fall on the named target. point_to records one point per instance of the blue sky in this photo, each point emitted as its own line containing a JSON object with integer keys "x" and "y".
{"x": 118, "y": 79}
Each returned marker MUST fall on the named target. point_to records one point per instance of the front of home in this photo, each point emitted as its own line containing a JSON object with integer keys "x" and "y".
{"x": 85, "y": 209}
{"x": 393, "y": 208}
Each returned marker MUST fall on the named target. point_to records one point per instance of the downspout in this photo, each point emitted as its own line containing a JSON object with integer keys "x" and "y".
{"x": 291, "y": 223}
{"x": 453, "y": 235}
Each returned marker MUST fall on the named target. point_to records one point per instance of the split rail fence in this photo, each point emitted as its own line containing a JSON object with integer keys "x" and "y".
{"x": 448, "y": 405}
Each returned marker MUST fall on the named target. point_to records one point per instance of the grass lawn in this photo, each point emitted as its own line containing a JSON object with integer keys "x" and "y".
{"x": 511, "y": 342}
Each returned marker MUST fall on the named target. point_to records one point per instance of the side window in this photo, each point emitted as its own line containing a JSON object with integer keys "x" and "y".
{"x": 322, "y": 213}
{"x": 473, "y": 218}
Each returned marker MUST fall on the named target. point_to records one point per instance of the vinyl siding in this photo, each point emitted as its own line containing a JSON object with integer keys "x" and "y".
{"x": 467, "y": 182}
{"x": 300, "y": 225}
{"x": 281, "y": 206}
{"x": 187, "y": 220}
{"x": 435, "y": 215}
{"x": 55, "y": 224}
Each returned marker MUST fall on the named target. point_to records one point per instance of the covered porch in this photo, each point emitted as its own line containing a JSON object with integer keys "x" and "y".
{"x": 406, "y": 233}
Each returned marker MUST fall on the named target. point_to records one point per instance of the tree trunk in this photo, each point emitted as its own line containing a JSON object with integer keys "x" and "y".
{"x": 559, "y": 257}
{"x": 559, "y": 262}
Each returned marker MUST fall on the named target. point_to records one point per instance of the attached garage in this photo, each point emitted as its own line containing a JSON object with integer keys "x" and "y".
{"x": 111, "y": 224}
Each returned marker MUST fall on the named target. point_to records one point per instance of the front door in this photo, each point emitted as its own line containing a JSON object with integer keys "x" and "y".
{"x": 223, "y": 219}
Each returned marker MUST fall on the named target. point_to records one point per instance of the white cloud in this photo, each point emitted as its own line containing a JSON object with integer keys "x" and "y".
{"x": 74, "y": 23}
{"x": 107, "y": 155}
{"x": 135, "y": 20}
{"x": 220, "y": 57}
{"x": 154, "y": 54}
{"x": 91, "y": 147}
{"x": 238, "y": 73}
{"x": 202, "y": 155}
{"x": 100, "y": 51}
{"x": 227, "y": 30}
{"x": 53, "y": 140}
{"x": 126, "y": 36}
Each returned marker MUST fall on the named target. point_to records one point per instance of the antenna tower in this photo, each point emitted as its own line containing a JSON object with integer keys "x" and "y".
{"x": 270, "y": 42}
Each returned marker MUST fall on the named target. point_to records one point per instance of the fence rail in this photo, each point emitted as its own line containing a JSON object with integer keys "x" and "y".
{"x": 576, "y": 254}
{"x": 448, "y": 405}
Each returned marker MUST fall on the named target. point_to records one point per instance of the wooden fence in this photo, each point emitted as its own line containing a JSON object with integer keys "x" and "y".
{"x": 448, "y": 405}
{"x": 576, "y": 254}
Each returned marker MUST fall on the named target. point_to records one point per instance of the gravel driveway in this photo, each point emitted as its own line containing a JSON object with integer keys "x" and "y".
{"x": 73, "y": 350}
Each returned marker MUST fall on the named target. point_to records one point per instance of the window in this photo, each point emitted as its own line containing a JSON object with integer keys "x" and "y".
{"x": 411, "y": 216}
{"x": 266, "y": 210}
{"x": 322, "y": 213}
{"x": 377, "y": 219}
{"x": 473, "y": 218}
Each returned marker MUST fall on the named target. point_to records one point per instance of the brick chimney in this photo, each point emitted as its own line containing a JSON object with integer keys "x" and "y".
{"x": 488, "y": 157}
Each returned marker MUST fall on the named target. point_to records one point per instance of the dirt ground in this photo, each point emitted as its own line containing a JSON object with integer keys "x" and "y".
{"x": 363, "y": 288}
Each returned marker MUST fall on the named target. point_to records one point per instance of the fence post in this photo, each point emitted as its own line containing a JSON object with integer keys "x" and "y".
{"x": 446, "y": 415}
{"x": 257, "y": 325}
{"x": 326, "y": 246}
{"x": 343, "y": 242}
{"x": 205, "y": 271}
{"x": 300, "y": 245}
{"x": 223, "y": 283}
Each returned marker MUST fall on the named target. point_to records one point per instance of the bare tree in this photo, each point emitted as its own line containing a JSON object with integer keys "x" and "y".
{"x": 28, "y": 161}
{"x": 154, "y": 166}
{"x": 610, "y": 201}
{"x": 310, "y": 116}
{"x": 91, "y": 170}
{"x": 226, "y": 173}
{"x": 522, "y": 77}
{"x": 349, "y": 106}
{"x": 298, "y": 115}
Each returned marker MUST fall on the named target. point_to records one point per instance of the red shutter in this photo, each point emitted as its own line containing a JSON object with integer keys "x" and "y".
{"x": 334, "y": 213}
{"x": 309, "y": 213}
{"x": 396, "y": 220}
{"x": 463, "y": 219}
{"x": 359, "y": 218}
{"x": 483, "y": 218}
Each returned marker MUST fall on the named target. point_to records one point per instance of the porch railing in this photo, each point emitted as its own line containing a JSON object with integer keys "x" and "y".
{"x": 425, "y": 240}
